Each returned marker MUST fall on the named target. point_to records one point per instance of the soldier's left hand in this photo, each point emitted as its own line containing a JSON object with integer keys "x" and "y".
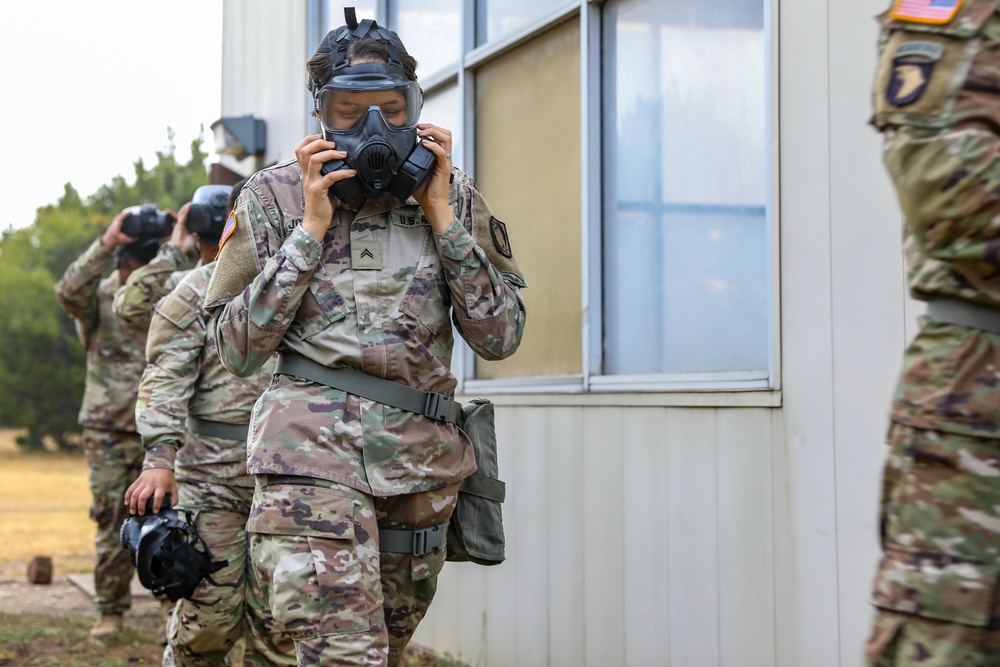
{"x": 152, "y": 483}
{"x": 432, "y": 194}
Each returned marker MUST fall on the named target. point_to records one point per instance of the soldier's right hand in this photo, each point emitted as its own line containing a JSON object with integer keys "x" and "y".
{"x": 113, "y": 236}
{"x": 312, "y": 152}
{"x": 152, "y": 483}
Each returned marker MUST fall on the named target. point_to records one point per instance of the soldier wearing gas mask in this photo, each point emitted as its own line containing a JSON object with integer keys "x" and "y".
{"x": 115, "y": 361}
{"x": 192, "y": 415}
{"x": 352, "y": 262}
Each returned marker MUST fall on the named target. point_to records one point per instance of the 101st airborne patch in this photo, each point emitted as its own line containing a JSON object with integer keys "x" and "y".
{"x": 935, "y": 12}
{"x": 912, "y": 66}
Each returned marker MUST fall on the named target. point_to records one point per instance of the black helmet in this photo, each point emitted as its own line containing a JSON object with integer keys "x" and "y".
{"x": 165, "y": 550}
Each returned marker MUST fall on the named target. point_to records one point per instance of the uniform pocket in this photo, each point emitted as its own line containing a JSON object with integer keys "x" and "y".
{"x": 936, "y": 586}
{"x": 305, "y": 554}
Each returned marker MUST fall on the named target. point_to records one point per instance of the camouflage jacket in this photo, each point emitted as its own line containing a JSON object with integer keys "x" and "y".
{"x": 185, "y": 377}
{"x": 115, "y": 349}
{"x": 935, "y": 101}
{"x": 148, "y": 284}
{"x": 377, "y": 295}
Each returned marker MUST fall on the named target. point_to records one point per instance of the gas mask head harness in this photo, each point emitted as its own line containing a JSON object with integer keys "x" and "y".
{"x": 370, "y": 110}
{"x": 169, "y": 555}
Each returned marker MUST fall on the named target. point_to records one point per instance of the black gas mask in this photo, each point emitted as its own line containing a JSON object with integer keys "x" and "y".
{"x": 208, "y": 211}
{"x": 370, "y": 110}
{"x": 169, "y": 555}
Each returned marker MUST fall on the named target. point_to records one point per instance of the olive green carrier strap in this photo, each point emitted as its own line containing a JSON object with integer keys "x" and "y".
{"x": 426, "y": 403}
{"x": 964, "y": 313}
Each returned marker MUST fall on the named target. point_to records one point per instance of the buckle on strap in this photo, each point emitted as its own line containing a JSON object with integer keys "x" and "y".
{"x": 437, "y": 406}
{"x": 419, "y": 542}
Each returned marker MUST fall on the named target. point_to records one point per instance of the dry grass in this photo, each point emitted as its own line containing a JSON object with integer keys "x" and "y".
{"x": 44, "y": 509}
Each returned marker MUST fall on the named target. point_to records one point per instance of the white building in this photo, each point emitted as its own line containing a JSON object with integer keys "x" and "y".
{"x": 693, "y": 430}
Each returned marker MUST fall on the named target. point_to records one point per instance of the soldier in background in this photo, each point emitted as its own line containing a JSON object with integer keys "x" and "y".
{"x": 115, "y": 361}
{"x": 354, "y": 492}
{"x": 937, "y": 103}
{"x": 192, "y": 415}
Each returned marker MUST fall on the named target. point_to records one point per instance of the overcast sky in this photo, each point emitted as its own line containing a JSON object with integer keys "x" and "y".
{"x": 89, "y": 87}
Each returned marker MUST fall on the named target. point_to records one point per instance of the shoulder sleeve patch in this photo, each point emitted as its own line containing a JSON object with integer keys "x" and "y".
{"x": 493, "y": 238}
{"x": 236, "y": 265}
{"x": 935, "y": 12}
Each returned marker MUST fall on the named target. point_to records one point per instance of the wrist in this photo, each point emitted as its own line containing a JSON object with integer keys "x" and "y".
{"x": 315, "y": 227}
{"x": 440, "y": 218}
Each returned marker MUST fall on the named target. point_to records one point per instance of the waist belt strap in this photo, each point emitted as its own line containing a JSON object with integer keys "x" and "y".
{"x": 964, "y": 313}
{"x": 426, "y": 403}
{"x": 218, "y": 429}
{"x": 417, "y": 542}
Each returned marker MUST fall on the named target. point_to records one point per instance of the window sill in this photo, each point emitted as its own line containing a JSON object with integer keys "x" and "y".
{"x": 624, "y": 391}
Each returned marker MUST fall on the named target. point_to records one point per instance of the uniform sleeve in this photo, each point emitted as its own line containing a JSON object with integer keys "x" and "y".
{"x": 250, "y": 325}
{"x": 77, "y": 289}
{"x": 135, "y": 299}
{"x": 177, "y": 334}
{"x": 936, "y": 101}
{"x": 487, "y": 304}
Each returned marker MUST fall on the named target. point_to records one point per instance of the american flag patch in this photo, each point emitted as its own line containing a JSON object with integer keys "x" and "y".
{"x": 926, "y": 11}
{"x": 228, "y": 230}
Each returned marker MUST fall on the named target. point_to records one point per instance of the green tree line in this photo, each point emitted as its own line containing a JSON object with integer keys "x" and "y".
{"x": 41, "y": 360}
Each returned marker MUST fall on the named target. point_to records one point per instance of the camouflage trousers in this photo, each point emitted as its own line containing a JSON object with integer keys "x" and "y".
{"x": 115, "y": 460}
{"x": 316, "y": 560}
{"x": 206, "y": 630}
{"x": 935, "y": 592}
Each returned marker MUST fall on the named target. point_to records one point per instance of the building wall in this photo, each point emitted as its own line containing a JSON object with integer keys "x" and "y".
{"x": 693, "y": 529}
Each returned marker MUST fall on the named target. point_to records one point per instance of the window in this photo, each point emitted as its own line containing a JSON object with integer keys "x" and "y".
{"x": 686, "y": 177}
{"x": 528, "y": 168}
{"x": 639, "y": 207}
{"x": 431, "y": 31}
{"x": 498, "y": 18}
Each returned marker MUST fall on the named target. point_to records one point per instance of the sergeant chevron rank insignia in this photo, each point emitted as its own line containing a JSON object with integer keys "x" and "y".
{"x": 366, "y": 255}
{"x": 912, "y": 67}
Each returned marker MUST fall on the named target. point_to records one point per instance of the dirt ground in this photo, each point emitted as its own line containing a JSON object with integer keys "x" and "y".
{"x": 17, "y": 596}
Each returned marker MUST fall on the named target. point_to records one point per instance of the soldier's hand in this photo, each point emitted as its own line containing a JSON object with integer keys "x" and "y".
{"x": 312, "y": 152}
{"x": 180, "y": 236}
{"x": 432, "y": 193}
{"x": 152, "y": 483}
{"x": 113, "y": 235}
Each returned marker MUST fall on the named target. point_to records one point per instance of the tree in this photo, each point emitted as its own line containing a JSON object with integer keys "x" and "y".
{"x": 42, "y": 363}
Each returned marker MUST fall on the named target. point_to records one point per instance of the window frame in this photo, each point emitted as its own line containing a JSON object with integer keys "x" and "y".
{"x": 709, "y": 388}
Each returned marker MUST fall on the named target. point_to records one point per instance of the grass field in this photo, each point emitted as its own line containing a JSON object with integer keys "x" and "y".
{"x": 44, "y": 509}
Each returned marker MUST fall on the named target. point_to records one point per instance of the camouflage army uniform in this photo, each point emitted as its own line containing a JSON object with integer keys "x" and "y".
{"x": 937, "y": 102}
{"x": 185, "y": 379}
{"x": 333, "y": 468}
{"x": 115, "y": 359}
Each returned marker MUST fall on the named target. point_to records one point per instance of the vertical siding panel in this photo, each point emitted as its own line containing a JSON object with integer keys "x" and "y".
{"x": 746, "y": 539}
{"x": 692, "y": 489}
{"x": 564, "y": 507}
{"x": 869, "y": 333}
{"x": 502, "y": 580}
{"x": 647, "y": 581}
{"x": 603, "y": 553}
{"x": 806, "y": 572}
{"x": 528, "y": 543}
{"x": 467, "y": 639}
